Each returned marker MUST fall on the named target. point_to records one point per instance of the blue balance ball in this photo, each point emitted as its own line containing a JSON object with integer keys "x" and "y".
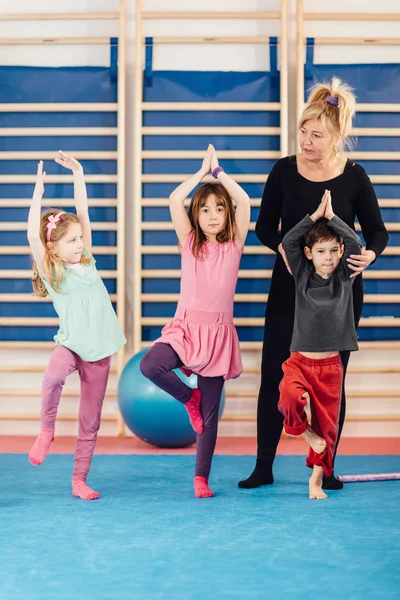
{"x": 150, "y": 413}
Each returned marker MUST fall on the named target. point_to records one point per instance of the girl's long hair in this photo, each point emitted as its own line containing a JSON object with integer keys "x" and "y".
{"x": 222, "y": 198}
{"x": 336, "y": 120}
{"x": 53, "y": 266}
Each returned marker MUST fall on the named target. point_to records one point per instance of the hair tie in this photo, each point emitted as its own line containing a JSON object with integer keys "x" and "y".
{"x": 333, "y": 101}
{"x": 53, "y": 219}
{"x": 217, "y": 171}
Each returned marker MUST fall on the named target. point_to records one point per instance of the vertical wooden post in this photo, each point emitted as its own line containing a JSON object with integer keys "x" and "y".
{"x": 137, "y": 181}
{"x": 283, "y": 53}
{"x": 121, "y": 195}
{"x": 299, "y": 61}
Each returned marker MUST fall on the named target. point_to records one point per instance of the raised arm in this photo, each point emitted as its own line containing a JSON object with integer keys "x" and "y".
{"x": 293, "y": 241}
{"x": 177, "y": 209}
{"x": 351, "y": 241}
{"x": 293, "y": 244}
{"x": 80, "y": 195}
{"x": 239, "y": 197}
{"x": 35, "y": 242}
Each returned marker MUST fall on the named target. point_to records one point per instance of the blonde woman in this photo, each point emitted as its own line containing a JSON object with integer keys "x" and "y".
{"x": 294, "y": 188}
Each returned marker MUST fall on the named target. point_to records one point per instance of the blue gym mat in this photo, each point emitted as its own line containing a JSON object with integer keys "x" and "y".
{"x": 148, "y": 537}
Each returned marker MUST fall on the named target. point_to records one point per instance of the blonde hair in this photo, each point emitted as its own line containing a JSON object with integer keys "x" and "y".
{"x": 336, "y": 120}
{"x": 199, "y": 199}
{"x": 53, "y": 266}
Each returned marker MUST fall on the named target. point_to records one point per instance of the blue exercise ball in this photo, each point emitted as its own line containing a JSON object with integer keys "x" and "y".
{"x": 150, "y": 413}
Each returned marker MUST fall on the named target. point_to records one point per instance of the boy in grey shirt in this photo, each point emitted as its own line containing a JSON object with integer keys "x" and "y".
{"x": 323, "y": 326}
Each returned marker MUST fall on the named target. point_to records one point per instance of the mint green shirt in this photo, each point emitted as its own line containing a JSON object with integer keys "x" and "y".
{"x": 88, "y": 324}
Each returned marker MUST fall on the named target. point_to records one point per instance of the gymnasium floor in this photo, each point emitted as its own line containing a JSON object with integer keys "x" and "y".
{"x": 148, "y": 537}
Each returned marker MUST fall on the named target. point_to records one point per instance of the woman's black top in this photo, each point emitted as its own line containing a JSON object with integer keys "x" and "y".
{"x": 288, "y": 197}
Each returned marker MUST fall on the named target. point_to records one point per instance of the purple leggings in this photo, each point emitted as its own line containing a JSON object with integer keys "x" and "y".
{"x": 157, "y": 365}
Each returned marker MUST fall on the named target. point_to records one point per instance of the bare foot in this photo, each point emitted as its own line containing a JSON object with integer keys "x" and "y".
{"x": 318, "y": 444}
{"x": 315, "y": 485}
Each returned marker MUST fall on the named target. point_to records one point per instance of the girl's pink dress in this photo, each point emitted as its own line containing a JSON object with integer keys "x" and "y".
{"x": 202, "y": 332}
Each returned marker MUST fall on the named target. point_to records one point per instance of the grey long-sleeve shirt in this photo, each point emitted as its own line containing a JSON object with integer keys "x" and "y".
{"x": 324, "y": 316}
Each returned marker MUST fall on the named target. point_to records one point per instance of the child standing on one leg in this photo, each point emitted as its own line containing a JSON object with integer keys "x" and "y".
{"x": 201, "y": 338}
{"x": 323, "y": 326}
{"x": 89, "y": 332}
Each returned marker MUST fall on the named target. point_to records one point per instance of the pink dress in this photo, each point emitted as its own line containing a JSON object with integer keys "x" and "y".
{"x": 202, "y": 332}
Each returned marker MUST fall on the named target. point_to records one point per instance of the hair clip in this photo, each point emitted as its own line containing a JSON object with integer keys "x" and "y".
{"x": 333, "y": 101}
{"x": 53, "y": 220}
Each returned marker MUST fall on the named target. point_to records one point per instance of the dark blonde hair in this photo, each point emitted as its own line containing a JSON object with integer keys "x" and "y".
{"x": 336, "y": 120}
{"x": 199, "y": 199}
{"x": 53, "y": 266}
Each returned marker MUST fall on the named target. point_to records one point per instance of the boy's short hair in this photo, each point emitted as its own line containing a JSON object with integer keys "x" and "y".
{"x": 321, "y": 232}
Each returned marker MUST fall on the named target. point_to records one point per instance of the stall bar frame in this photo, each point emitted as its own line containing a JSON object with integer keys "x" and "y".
{"x": 119, "y": 179}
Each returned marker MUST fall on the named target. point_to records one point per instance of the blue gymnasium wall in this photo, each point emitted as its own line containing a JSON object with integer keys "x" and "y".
{"x": 32, "y": 84}
{"x": 375, "y": 83}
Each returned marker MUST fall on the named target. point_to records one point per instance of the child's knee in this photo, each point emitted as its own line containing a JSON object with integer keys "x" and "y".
{"x": 147, "y": 366}
{"x": 53, "y": 377}
{"x": 150, "y": 366}
{"x": 285, "y": 396}
{"x": 89, "y": 428}
{"x": 285, "y": 404}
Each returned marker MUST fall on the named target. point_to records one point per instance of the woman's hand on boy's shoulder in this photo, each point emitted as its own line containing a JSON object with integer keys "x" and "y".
{"x": 359, "y": 262}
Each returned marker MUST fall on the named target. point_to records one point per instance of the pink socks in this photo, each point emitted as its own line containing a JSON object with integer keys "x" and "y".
{"x": 83, "y": 491}
{"x": 193, "y": 408}
{"x": 38, "y": 453}
{"x": 201, "y": 489}
{"x": 41, "y": 447}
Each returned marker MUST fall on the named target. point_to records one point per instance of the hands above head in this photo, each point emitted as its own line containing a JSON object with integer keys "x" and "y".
{"x": 214, "y": 159}
{"x": 329, "y": 214}
{"x": 210, "y": 161}
{"x": 39, "y": 185}
{"x": 67, "y": 161}
{"x": 206, "y": 166}
{"x": 324, "y": 209}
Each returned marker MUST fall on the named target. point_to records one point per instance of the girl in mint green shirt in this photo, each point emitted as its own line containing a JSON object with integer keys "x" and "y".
{"x": 89, "y": 332}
